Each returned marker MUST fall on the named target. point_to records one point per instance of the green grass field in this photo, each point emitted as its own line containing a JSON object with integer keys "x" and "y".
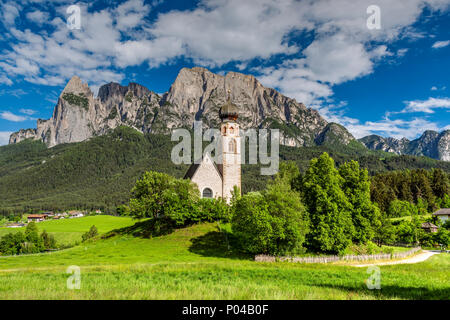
{"x": 195, "y": 263}
{"x": 69, "y": 231}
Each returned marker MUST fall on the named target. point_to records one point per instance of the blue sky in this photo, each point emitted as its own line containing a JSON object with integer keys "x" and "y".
{"x": 392, "y": 81}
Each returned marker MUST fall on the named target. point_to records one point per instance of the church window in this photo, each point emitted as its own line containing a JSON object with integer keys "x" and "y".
{"x": 232, "y": 146}
{"x": 207, "y": 193}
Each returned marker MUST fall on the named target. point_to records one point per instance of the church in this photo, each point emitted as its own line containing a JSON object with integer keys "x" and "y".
{"x": 218, "y": 180}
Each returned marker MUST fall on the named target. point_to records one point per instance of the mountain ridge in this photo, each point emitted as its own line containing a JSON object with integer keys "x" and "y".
{"x": 431, "y": 144}
{"x": 198, "y": 94}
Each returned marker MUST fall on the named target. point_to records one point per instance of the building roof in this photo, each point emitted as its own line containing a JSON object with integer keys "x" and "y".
{"x": 428, "y": 225}
{"x": 194, "y": 167}
{"x": 229, "y": 111}
{"x": 37, "y": 216}
{"x": 442, "y": 212}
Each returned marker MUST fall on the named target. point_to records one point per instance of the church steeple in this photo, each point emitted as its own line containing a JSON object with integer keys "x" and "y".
{"x": 231, "y": 148}
{"x": 229, "y": 111}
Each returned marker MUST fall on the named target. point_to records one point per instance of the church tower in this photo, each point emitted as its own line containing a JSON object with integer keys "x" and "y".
{"x": 231, "y": 149}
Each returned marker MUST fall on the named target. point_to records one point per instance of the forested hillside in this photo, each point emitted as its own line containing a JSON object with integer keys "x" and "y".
{"x": 100, "y": 172}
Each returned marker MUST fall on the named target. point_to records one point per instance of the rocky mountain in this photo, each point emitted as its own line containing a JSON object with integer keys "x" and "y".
{"x": 431, "y": 144}
{"x": 196, "y": 94}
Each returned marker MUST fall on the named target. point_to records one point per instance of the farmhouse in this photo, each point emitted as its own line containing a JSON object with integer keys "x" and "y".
{"x": 218, "y": 180}
{"x": 37, "y": 217}
{"x": 443, "y": 214}
{"x": 75, "y": 214}
{"x": 429, "y": 227}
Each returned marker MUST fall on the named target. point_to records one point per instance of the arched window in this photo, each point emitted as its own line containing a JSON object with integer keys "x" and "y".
{"x": 232, "y": 146}
{"x": 207, "y": 193}
{"x": 231, "y": 130}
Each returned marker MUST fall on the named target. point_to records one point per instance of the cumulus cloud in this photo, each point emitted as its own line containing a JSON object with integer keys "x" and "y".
{"x": 38, "y": 17}
{"x": 212, "y": 34}
{"x": 387, "y": 126}
{"x": 339, "y": 48}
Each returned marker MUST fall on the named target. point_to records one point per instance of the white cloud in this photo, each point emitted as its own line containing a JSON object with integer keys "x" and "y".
{"x": 38, "y": 17}
{"x": 29, "y": 112}
{"x": 402, "y": 52}
{"x": 215, "y": 33}
{"x": 5, "y": 80}
{"x": 4, "y": 137}
{"x": 6, "y": 115}
{"x": 388, "y": 127}
{"x": 441, "y": 44}
{"x": 427, "y": 106}
{"x": 10, "y": 12}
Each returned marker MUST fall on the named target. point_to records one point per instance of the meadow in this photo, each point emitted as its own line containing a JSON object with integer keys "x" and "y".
{"x": 197, "y": 263}
{"x": 69, "y": 231}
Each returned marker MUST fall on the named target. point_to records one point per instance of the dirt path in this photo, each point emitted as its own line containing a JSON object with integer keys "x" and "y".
{"x": 417, "y": 258}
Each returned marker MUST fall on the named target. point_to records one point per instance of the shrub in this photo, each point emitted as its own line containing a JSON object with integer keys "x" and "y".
{"x": 213, "y": 210}
{"x": 273, "y": 222}
{"x": 161, "y": 196}
{"x": 93, "y": 232}
{"x": 48, "y": 240}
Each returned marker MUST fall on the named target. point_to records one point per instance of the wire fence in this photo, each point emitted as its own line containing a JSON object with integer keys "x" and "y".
{"x": 328, "y": 259}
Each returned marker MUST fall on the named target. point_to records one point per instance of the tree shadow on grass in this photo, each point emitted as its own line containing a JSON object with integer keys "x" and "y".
{"x": 143, "y": 229}
{"x": 395, "y": 292}
{"x": 220, "y": 244}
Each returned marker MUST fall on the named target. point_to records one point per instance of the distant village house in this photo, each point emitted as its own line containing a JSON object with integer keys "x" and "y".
{"x": 37, "y": 217}
{"x": 429, "y": 227}
{"x": 442, "y": 214}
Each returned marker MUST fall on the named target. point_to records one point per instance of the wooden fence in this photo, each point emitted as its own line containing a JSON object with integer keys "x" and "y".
{"x": 327, "y": 259}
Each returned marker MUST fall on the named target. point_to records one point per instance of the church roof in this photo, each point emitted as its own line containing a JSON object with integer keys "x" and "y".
{"x": 229, "y": 111}
{"x": 194, "y": 167}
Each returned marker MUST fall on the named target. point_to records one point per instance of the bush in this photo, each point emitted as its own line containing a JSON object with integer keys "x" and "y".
{"x": 48, "y": 240}
{"x": 273, "y": 222}
{"x": 161, "y": 196}
{"x": 213, "y": 210}
{"x": 93, "y": 232}
{"x": 442, "y": 237}
{"x": 11, "y": 243}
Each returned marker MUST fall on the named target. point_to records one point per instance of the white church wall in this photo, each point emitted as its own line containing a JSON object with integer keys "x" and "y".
{"x": 207, "y": 176}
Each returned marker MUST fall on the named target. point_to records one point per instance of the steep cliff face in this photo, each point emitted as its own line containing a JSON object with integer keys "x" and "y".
{"x": 21, "y": 135}
{"x": 196, "y": 94}
{"x": 431, "y": 144}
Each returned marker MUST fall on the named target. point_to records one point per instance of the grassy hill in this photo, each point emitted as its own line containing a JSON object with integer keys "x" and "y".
{"x": 69, "y": 231}
{"x": 99, "y": 173}
{"x": 195, "y": 263}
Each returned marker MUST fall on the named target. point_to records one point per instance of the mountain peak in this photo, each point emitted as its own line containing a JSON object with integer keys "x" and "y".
{"x": 75, "y": 85}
